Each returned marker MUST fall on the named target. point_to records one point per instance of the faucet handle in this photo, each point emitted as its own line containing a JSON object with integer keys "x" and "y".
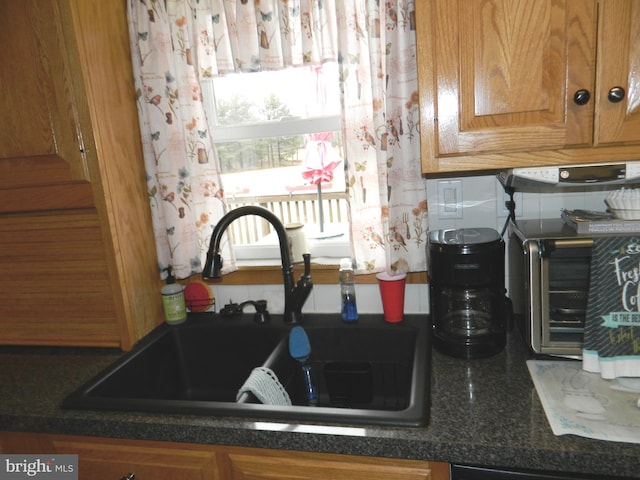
{"x": 262, "y": 314}
{"x": 306, "y": 258}
{"x": 304, "y": 285}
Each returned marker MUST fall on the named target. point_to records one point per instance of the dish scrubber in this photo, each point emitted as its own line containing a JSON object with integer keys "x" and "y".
{"x": 198, "y": 297}
{"x": 300, "y": 349}
{"x": 265, "y": 386}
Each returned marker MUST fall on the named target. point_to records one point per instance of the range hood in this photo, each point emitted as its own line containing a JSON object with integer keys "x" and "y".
{"x": 571, "y": 176}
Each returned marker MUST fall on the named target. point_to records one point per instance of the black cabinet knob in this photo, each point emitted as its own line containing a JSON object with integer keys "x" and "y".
{"x": 581, "y": 97}
{"x": 616, "y": 94}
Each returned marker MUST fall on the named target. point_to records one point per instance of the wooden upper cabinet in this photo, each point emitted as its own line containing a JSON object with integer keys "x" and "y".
{"x": 507, "y": 71}
{"x": 77, "y": 259}
{"x": 507, "y": 83}
{"x": 618, "y": 122}
{"x": 42, "y": 150}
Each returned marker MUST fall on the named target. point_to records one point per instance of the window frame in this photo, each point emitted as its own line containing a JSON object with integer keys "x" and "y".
{"x": 268, "y": 254}
{"x": 286, "y": 127}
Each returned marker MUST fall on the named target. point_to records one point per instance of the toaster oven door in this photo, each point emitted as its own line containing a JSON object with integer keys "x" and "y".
{"x": 564, "y": 288}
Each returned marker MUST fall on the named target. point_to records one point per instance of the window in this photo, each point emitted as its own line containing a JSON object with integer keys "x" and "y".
{"x": 276, "y": 133}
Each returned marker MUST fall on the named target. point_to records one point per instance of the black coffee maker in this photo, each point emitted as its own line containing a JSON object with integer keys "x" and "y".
{"x": 470, "y": 312}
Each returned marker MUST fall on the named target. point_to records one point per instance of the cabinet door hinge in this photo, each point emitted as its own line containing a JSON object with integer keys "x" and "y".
{"x": 83, "y": 152}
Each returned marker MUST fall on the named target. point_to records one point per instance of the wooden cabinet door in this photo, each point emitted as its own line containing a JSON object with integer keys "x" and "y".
{"x": 618, "y": 67}
{"x": 256, "y": 464}
{"x": 104, "y": 458}
{"x": 506, "y": 72}
{"x": 42, "y": 149}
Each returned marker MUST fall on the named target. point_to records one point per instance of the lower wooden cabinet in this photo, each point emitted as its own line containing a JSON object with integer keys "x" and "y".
{"x": 257, "y": 464}
{"x": 107, "y": 458}
{"x": 114, "y": 459}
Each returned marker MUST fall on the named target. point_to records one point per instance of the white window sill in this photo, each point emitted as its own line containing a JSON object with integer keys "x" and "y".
{"x": 327, "y": 248}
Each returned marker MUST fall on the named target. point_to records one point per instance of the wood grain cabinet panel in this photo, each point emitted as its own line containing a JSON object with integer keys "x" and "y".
{"x": 102, "y": 458}
{"x": 507, "y": 83}
{"x": 77, "y": 251}
{"x": 114, "y": 459}
{"x": 42, "y": 154}
{"x": 54, "y": 281}
{"x": 618, "y": 122}
{"x": 504, "y": 80}
{"x": 254, "y": 464}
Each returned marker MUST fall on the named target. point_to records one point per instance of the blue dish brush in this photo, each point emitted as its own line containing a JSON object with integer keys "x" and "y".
{"x": 300, "y": 349}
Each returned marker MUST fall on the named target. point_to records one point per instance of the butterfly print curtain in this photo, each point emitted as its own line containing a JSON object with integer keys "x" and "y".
{"x": 387, "y": 194}
{"x": 177, "y": 44}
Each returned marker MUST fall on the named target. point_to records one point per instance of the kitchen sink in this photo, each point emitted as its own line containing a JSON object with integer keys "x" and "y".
{"x": 370, "y": 372}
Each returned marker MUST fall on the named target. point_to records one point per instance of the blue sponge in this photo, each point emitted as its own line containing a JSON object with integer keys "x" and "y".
{"x": 300, "y": 349}
{"x": 299, "y": 346}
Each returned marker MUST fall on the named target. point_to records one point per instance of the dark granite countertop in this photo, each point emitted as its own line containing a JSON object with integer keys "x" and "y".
{"x": 483, "y": 412}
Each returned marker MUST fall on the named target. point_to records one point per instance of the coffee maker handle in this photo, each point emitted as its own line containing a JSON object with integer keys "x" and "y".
{"x": 508, "y": 314}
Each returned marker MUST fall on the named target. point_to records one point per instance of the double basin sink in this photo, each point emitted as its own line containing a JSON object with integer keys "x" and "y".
{"x": 370, "y": 372}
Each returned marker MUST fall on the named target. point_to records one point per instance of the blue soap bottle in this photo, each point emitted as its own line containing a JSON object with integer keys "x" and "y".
{"x": 346, "y": 276}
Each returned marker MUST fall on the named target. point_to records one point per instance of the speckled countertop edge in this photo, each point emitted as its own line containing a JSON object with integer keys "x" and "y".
{"x": 483, "y": 412}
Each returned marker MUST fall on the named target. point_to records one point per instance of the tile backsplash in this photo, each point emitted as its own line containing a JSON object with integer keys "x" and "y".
{"x": 323, "y": 298}
{"x": 481, "y": 199}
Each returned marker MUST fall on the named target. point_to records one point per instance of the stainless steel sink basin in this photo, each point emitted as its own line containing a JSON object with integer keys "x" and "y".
{"x": 368, "y": 373}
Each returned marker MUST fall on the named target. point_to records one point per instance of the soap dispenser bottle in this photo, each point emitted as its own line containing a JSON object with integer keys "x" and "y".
{"x": 349, "y": 310}
{"x": 175, "y": 309}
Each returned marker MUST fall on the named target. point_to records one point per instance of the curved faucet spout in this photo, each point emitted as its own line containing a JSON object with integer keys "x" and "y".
{"x": 294, "y": 294}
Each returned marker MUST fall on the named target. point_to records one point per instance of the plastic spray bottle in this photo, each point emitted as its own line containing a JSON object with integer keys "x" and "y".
{"x": 346, "y": 276}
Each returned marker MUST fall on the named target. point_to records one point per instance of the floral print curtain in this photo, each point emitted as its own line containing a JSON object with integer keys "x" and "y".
{"x": 178, "y": 44}
{"x": 387, "y": 194}
{"x": 183, "y": 174}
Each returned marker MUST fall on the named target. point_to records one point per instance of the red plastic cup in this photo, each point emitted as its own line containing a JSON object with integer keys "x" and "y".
{"x": 392, "y": 293}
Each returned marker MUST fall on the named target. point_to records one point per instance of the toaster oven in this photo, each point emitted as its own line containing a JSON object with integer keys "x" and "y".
{"x": 549, "y": 272}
